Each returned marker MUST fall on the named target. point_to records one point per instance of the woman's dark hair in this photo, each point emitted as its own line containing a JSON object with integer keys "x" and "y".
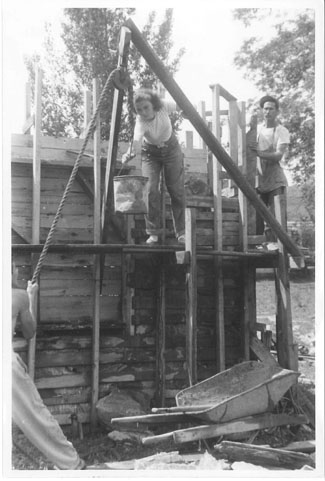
{"x": 148, "y": 94}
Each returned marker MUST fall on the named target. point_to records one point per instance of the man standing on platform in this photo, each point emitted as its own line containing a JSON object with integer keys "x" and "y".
{"x": 272, "y": 143}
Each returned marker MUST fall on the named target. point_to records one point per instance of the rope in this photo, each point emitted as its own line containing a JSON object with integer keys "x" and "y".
{"x": 130, "y": 118}
{"x": 112, "y": 80}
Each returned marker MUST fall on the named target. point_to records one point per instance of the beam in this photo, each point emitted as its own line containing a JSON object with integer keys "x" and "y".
{"x": 36, "y": 206}
{"x": 212, "y": 143}
{"x": 202, "y": 252}
{"x": 191, "y": 296}
{"x": 286, "y": 348}
{"x": 218, "y": 238}
{"x": 96, "y": 194}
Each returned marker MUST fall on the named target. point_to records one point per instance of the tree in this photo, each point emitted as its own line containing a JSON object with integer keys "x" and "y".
{"x": 61, "y": 91}
{"x": 284, "y": 65}
{"x": 90, "y": 37}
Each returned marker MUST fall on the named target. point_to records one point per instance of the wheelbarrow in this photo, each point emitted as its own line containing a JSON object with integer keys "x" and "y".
{"x": 246, "y": 389}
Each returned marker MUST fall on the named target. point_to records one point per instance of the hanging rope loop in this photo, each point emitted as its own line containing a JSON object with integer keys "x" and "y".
{"x": 120, "y": 79}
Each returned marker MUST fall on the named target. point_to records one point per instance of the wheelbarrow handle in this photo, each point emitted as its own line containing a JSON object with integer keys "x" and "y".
{"x": 181, "y": 409}
{"x": 150, "y": 440}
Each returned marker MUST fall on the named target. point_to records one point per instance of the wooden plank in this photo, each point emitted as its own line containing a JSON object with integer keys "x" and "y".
{"x": 242, "y": 163}
{"x": 191, "y": 296}
{"x": 287, "y": 351}
{"x": 21, "y": 233}
{"x": 161, "y": 340}
{"x": 78, "y": 286}
{"x": 212, "y": 143}
{"x": 262, "y": 455}
{"x": 85, "y": 184}
{"x": 301, "y": 446}
{"x": 201, "y": 110}
{"x": 96, "y": 260}
{"x": 28, "y": 105}
{"x": 261, "y": 351}
{"x": 128, "y": 270}
{"x": 28, "y": 124}
{"x": 248, "y": 314}
{"x": 233, "y": 135}
{"x": 251, "y": 423}
{"x": 218, "y": 238}
{"x": 251, "y": 157}
{"x": 87, "y": 112}
{"x": 248, "y": 270}
{"x": 77, "y": 308}
{"x": 225, "y": 94}
{"x": 36, "y": 205}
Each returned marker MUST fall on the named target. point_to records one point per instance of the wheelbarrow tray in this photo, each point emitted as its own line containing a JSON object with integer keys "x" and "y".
{"x": 245, "y": 389}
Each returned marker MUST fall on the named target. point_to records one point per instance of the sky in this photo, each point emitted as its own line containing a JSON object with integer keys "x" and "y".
{"x": 208, "y": 33}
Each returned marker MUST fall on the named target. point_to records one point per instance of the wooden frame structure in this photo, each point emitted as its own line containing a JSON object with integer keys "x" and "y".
{"x": 247, "y": 259}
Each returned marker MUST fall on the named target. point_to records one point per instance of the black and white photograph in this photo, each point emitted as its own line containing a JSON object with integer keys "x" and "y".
{"x": 163, "y": 229}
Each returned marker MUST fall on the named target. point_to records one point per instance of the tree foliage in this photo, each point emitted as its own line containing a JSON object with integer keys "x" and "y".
{"x": 90, "y": 37}
{"x": 285, "y": 67}
{"x": 62, "y": 93}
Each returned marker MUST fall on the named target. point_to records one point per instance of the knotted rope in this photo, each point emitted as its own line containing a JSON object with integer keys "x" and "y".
{"x": 115, "y": 79}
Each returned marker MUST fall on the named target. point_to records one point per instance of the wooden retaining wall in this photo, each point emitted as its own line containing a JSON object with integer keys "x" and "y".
{"x": 127, "y": 357}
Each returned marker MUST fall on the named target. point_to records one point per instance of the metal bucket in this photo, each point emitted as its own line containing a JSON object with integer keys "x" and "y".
{"x": 131, "y": 194}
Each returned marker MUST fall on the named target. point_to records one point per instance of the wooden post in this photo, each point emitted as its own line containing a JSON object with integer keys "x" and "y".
{"x": 251, "y": 136}
{"x": 217, "y": 230}
{"x": 36, "y": 208}
{"x": 128, "y": 291}
{"x": 161, "y": 338}
{"x": 248, "y": 272}
{"x": 233, "y": 136}
{"x": 287, "y": 354}
{"x": 201, "y": 110}
{"x": 87, "y": 112}
{"x": 161, "y": 307}
{"x": 29, "y": 118}
{"x": 96, "y": 262}
{"x": 243, "y": 165}
{"x": 212, "y": 143}
{"x": 191, "y": 296}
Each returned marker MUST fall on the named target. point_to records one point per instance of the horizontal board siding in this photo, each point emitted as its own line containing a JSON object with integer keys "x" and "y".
{"x": 63, "y": 343}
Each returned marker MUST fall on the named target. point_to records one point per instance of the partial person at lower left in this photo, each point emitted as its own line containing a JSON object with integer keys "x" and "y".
{"x": 29, "y": 412}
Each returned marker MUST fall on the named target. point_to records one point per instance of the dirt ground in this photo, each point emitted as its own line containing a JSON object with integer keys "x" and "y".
{"x": 97, "y": 448}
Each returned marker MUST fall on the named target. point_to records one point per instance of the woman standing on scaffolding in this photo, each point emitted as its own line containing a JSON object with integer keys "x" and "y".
{"x": 158, "y": 146}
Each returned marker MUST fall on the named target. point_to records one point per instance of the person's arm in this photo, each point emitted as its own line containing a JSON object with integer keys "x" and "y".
{"x": 28, "y": 312}
{"x": 270, "y": 154}
{"x": 133, "y": 152}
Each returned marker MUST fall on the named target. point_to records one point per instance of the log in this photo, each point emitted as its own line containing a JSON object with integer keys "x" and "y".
{"x": 263, "y": 456}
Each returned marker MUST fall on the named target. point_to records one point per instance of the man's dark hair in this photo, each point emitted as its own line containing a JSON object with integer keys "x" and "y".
{"x": 269, "y": 98}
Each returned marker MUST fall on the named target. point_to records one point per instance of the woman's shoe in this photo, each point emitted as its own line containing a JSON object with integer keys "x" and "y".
{"x": 153, "y": 239}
